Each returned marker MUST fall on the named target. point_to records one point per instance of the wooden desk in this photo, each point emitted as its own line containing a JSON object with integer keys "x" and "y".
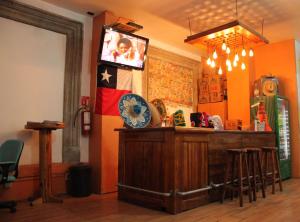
{"x": 176, "y": 169}
{"x": 45, "y": 149}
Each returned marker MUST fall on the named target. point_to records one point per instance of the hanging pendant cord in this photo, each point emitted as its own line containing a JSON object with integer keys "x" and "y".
{"x": 236, "y": 9}
{"x": 190, "y": 25}
{"x": 262, "y": 27}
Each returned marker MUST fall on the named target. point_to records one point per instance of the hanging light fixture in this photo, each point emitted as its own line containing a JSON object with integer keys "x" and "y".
{"x": 236, "y": 57}
{"x": 244, "y": 52}
{"x": 224, "y": 45}
{"x": 213, "y": 64}
{"x": 251, "y": 53}
{"x": 228, "y": 63}
{"x": 230, "y": 37}
{"x": 220, "y": 71}
{"x": 208, "y": 61}
{"x": 243, "y": 66}
{"x": 234, "y": 63}
{"x": 215, "y": 55}
{"x": 228, "y": 50}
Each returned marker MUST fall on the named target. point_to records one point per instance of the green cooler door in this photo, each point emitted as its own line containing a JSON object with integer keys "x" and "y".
{"x": 283, "y": 135}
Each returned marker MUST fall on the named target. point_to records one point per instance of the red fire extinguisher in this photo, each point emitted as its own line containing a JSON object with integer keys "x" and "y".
{"x": 85, "y": 116}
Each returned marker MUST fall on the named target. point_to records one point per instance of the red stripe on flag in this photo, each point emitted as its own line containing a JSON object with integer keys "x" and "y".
{"x": 107, "y": 101}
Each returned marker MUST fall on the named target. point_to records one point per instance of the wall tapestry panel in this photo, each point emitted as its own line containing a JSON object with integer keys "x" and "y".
{"x": 171, "y": 82}
{"x": 172, "y": 78}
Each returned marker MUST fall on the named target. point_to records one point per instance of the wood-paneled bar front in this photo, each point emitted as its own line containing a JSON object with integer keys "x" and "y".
{"x": 176, "y": 169}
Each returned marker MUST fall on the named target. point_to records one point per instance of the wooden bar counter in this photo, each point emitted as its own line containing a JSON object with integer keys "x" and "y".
{"x": 176, "y": 169}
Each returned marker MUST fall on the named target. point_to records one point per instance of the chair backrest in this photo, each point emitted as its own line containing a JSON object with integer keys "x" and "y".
{"x": 11, "y": 151}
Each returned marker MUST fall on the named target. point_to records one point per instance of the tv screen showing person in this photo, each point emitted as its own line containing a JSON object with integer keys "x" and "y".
{"x": 124, "y": 49}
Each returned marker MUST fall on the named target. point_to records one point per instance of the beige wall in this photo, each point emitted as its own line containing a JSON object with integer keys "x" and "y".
{"x": 31, "y": 83}
{"x": 30, "y": 154}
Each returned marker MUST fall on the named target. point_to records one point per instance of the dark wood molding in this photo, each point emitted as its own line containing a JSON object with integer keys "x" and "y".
{"x": 73, "y": 63}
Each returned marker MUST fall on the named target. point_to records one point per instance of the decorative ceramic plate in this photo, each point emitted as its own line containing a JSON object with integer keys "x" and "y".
{"x": 134, "y": 110}
{"x": 160, "y": 106}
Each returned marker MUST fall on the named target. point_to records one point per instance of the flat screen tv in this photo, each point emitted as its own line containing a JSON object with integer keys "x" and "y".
{"x": 122, "y": 49}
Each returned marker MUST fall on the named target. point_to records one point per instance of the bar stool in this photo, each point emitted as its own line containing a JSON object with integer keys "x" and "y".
{"x": 238, "y": 156}
{"x": 269, "y": 153}
{"x": 254, "y": 161}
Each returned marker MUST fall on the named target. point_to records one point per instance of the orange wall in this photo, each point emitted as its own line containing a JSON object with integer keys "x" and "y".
{"x": 103, "y": 145}
{"x": 109, "y": 153}
{"x": 218, "y": 108}
{"x": 279, "y": 59}
{"x": 238, "y": 84}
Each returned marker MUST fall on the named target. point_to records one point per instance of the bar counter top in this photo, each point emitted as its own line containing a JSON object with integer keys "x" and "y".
{"x": 192, "y": 130}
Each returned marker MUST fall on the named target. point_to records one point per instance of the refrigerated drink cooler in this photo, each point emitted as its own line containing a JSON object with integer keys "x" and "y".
{"x": 278, "y": 117}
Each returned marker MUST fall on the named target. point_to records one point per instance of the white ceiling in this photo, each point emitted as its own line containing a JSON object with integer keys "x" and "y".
{"x": 168, "y": 20}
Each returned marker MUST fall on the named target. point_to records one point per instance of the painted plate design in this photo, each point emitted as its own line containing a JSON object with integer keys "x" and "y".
{"x": 160, "y": 106}
{"x": 134, "y": 110}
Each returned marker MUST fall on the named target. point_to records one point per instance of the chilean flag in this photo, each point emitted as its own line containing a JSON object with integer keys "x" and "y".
{"x": 112, "y": 83}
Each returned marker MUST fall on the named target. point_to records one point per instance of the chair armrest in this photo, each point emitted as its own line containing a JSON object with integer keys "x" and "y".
{"x": 5, "y": 167}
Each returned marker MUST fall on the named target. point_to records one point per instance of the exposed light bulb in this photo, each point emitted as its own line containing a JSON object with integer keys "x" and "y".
{"x": 208, "y": 61}
{"x": 236, "y": 57}
{"x": 243, "y": 66}
{"x": 228, "y": 62}
{"x": 220, "y": 71}
{"x": 244, "y": 52}
{"x": 224, "y": 46}
{"x": 234, "y": 63}
{"x": 227, "y": 50}
{"x": 213, "y": 64}
{"x": 229, "y": 68}
{"x": 251, "y": 53}
{"x": 215, "y": 55}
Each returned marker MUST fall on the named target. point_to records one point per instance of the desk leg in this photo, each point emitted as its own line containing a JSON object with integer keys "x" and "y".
{"x": 46, "y": 167}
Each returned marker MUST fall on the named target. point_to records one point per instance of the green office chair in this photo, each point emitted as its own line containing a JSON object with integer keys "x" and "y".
{"x": 10, "y": 152}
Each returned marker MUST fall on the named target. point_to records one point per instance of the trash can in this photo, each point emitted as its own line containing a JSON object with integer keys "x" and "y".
{"x": 79, "y": 180}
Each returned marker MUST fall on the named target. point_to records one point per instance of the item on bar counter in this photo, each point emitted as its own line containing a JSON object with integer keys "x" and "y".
{"x": 217, "y": 122}
{"x": 134, "y": 110}
{"x": 235, "y": 124}
{"x": 160, "y": 106}
{"x": 196, "y": 119}
{"x": 204, "y": 120}
{"x": 259, "y": 126}
{"x": 156, "y": 118}
{"x": 262, "y": 118}
{"x": 178, "y": 118}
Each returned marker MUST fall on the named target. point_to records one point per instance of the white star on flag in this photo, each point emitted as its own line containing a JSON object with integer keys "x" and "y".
{"x": 105, "y": 76}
